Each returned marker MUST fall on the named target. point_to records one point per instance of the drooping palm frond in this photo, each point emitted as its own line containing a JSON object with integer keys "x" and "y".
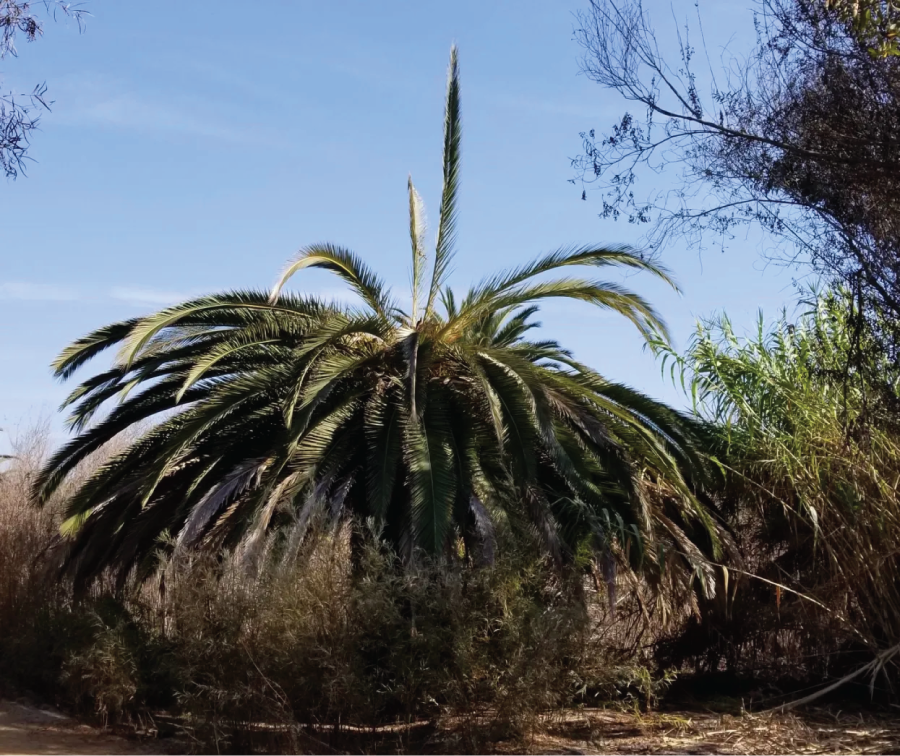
{"x": 442, "y": 427}
{"x": 344, "y": 264}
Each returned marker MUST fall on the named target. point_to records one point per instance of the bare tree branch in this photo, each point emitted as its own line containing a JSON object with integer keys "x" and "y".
{"x": 802, "y": 140}
{"x": 20, "y": 114}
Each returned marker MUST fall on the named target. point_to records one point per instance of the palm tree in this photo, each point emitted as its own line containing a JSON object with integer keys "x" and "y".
{"x": 437, "y": 423}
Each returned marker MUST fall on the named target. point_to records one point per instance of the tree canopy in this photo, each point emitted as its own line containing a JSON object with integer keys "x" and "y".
{"x": 876, "y": 22}
{"x": 802, "y": 139}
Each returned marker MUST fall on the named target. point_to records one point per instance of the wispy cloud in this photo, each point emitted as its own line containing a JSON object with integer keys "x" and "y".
{"x": 37, "y": 292}
{"x": 143, "y": 114}
{"x": 141, "y": 296}
{"x": 100, "y": 100}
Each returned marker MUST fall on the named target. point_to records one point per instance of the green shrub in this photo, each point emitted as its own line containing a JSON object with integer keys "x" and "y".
{"x": 809, "y": 438}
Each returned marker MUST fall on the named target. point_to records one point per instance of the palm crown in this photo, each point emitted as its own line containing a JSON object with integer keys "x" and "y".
{"x": 439, "y": 422}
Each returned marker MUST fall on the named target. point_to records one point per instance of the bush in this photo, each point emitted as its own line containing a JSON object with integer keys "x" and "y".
{"x": 316, "y": 645}
{"x": 257, "y": 651}
{"x": 812, "y": 450}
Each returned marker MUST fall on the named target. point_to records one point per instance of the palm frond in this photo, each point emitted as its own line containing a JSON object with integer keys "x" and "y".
{"x": 446, "y": 237}
{"x": 383, "y": 427}
{"x": 87, "y": 347}
{"x": 566, "y": 257}
{"x": 417, "y": 231}
{"x": 346, "y": 266}
{"x": 432, "y": 478}
{"x": 602, "y": 294}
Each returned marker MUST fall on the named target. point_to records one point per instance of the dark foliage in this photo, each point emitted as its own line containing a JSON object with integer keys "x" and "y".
{"x": 802, "y": 139}
{"x": 811, "y": 495}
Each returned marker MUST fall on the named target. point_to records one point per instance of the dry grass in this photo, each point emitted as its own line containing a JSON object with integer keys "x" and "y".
{"x": 818, "y": 731}
{"x": 287, "y": 635}
{"x": 284, "y": 650}
{"x": 25, "y": 532}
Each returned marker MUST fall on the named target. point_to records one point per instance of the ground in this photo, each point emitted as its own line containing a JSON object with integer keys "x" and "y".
{"x": 30, "y": 730}
{"x": 813, "y": 732}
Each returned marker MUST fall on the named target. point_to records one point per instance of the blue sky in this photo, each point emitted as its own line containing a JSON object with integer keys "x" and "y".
{"x": 196, "y": 146}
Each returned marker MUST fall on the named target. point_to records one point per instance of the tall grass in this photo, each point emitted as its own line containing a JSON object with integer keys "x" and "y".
{"x": 813, "y": 461}
{"x": 38, "y": 622}
{"x": 261, "y": 650}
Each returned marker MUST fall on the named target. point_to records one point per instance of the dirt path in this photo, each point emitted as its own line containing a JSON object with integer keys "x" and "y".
{"x": 27, "y": 730}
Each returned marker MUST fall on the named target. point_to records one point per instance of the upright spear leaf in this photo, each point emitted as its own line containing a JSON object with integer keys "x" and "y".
{"x": 446, "y": 238}
{"x": 417, "y": 228}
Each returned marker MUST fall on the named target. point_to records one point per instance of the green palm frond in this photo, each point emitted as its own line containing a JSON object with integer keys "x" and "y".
{"x": 446, "y": 238}
{"x": 566, "y": 257}
{"x": 88, "y": 347}
{"x": 346, "y": 266}
{"x": 602, "y": 294}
